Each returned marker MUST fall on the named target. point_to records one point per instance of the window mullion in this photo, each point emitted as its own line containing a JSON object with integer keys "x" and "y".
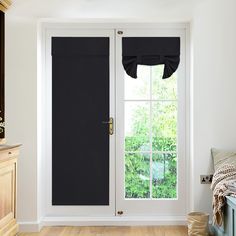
{"x": 150, "y": 133}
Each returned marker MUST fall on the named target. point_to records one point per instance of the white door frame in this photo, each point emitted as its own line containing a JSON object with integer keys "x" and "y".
{"x": 44, "y": 216}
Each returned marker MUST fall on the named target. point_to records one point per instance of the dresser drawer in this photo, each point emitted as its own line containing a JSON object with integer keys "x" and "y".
{"x": 7, "y": 154}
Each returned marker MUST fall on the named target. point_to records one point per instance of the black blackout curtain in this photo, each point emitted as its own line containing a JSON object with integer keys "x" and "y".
{"x": 80, "y": 105}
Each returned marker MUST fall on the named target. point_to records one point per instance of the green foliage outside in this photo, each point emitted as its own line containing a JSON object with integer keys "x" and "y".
{"x": 163, "y": 138}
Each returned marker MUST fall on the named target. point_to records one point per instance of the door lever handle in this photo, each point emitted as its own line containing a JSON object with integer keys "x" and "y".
{"x": 111, "y": 125}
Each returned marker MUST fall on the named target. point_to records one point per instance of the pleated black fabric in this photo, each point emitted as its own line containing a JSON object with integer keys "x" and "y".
{"x": 150, "y": 51}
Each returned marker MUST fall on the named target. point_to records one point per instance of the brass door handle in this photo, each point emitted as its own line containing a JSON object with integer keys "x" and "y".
{"x": 111, "y": 125}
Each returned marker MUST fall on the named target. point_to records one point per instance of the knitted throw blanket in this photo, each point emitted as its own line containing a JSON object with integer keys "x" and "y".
{"x": 222, "y": 178}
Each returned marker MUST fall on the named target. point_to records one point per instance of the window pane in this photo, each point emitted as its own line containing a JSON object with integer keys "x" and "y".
{"x": 164, "y": 126}
{"x": 164, "y": 172}
{"x": 138, "y": 88}
{"x": 137, "y": 175}
{"x": 137, "y": 126}
{"x": 163, "y": 89}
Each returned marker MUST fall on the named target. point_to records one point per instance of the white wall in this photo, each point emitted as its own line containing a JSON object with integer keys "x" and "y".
{"x": 214, "y": 84}
{"x": 21, "y": 109}
{"x": 161, "y": 10}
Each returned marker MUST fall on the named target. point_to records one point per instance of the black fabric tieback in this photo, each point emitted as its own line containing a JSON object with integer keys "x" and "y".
{"x": 151, "y": 51}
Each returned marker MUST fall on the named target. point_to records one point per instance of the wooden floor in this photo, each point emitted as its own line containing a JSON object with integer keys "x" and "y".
{"x": 112, "y": 231}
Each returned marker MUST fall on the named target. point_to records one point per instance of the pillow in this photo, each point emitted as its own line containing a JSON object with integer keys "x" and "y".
{"x": 221, "y": 158}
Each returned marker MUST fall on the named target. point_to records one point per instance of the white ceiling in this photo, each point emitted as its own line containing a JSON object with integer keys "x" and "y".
{"x": 161, "y": 10}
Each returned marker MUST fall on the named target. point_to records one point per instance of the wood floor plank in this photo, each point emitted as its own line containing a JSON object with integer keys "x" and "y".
{"x": 111, "y": 231}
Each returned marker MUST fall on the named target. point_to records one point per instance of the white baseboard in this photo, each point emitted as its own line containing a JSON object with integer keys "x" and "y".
{"x": 34, "y": 226}
{"x": 113, "y": 221}
{"x": 101, "y": 221}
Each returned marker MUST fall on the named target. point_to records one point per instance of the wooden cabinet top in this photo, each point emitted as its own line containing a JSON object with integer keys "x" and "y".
{"x": 5, "y": 147}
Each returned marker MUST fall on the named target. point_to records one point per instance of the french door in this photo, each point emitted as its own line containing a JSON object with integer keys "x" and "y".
{"x": 80, "y": 96}
{"x": 146, "y": 173}
{"x": 150, "y": 131}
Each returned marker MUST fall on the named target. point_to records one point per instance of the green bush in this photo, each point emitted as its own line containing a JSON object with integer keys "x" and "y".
{"x": 137, "y": 172}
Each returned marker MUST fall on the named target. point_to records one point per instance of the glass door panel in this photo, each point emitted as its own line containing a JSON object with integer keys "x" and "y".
{"x": 149, "y": 154}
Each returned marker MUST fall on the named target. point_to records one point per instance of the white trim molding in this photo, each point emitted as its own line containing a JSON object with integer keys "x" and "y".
{"x": 113, "y": 221}
{"x": 30, "y": 226}
{"x": 36, "y": 226}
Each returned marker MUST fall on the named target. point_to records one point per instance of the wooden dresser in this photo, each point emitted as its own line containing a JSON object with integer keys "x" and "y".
{"x": 8, "y": 168}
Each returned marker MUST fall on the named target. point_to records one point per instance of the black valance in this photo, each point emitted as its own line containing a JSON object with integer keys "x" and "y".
{"x": 150, "y": 51}
{"x": 82, "y": 46}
